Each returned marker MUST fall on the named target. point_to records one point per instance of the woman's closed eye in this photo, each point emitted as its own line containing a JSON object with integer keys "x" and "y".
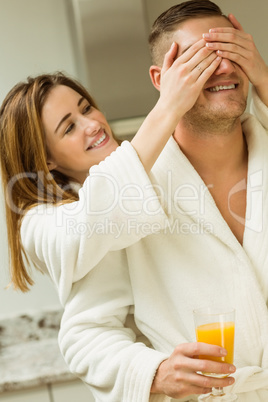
{"x": 69, "y": 129}
{"x": 87, "y": 109}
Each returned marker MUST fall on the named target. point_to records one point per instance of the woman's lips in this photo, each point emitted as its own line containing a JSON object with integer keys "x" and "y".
{"x": 101, "y": 139}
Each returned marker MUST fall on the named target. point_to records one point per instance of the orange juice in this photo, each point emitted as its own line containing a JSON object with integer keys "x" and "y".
{"x": 220, "y": 334}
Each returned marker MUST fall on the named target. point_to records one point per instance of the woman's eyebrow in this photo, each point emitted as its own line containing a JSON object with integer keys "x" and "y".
{"x": 69, "y": 114}
{"x": 80, "y": 101}
{"x": 62, "y": 120}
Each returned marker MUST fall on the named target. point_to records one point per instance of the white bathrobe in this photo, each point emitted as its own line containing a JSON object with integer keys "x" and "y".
{"x": 117, "y": 206}
{"x": 195, "y": 261}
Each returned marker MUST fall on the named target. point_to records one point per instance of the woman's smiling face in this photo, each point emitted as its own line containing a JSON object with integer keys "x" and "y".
{"x": 77, "y": 135}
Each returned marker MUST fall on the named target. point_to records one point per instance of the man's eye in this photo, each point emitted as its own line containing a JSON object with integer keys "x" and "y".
{"x": 69, "y": 129}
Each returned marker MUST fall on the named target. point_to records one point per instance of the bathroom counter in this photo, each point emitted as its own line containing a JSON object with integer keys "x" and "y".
{"x": 29, "y": 352}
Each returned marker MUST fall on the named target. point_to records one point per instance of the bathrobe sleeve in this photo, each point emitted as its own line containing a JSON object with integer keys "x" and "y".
{"x": 259, "y": 109}
{"x": 117, "y": 206}
{"x": 99, "y": 345}
{"x": 251, "y": 384}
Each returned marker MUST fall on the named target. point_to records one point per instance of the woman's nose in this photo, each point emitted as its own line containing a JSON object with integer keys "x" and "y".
{"x": 225, "y": 67}
{"x": 90, "y": 126}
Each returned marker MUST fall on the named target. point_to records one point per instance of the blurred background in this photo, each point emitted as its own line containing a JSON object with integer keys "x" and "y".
{"x": 103, "y": 43}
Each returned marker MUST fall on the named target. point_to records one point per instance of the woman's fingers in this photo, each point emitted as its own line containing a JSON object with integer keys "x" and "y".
{"x": 232, "y": 52}
{"x": 208, "y": 67}
{"x": 239, "y": 47}
{"x": 232, "y": 44}
{"x": 198, "y": 60}
{"x": 216, "y": 33}
{"x": 234, "y": 22}
{"x": 183, "y": 79}
{"x": 170, "y": 56}
{"x": 196, "y": 56}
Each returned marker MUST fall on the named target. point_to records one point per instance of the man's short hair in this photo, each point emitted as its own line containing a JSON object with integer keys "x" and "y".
{"x": 168, "y": 21}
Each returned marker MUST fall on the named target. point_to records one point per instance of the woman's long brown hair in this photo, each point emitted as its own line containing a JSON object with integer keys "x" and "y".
{"x": 26, "y": 178}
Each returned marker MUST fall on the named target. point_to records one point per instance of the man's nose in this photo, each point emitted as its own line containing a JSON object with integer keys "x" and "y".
{"x": 225, "y": 67}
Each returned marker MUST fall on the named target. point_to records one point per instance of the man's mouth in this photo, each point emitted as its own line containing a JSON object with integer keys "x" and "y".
{"x": 218, "y": 88}
{"x": 98, "y": 142}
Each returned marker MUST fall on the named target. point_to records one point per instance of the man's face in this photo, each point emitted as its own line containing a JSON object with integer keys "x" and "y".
{"x": 214, "y": 103}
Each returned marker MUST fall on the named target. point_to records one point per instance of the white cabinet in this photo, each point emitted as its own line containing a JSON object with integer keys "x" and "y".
{"x": 30, "y": 395}
{"x": 71, "y": 391}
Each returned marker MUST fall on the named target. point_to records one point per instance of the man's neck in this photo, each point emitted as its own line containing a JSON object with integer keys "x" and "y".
{"x": 221, "y": 160}
{"x": 214, "y": 155}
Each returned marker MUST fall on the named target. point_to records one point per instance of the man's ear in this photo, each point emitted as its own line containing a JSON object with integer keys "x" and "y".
{"x": 155, "y": 75}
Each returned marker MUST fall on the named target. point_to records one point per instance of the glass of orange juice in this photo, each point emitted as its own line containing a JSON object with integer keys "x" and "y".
{"x": 216, "y": 327}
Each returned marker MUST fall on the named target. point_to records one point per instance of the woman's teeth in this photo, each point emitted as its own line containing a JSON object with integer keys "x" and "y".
{"x": 100, "y": 140}
{"x": 221, "y": 87}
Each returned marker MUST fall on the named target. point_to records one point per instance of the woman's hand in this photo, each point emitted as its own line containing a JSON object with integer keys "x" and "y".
{"x": 183, "y": 78}
{"x": 177, "y": 376}
{"x": 238, "y": 46}
{"x": 180, "y": 82}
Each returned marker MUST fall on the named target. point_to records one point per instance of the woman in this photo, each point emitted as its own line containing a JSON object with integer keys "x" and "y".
{"x": 53, "y": 138}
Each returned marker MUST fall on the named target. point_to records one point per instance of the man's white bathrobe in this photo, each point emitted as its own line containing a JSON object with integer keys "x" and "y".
{"x": 194, "y": 261}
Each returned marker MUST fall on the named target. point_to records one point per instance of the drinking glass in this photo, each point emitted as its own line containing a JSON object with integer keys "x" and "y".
{"x": 216, "y": 327}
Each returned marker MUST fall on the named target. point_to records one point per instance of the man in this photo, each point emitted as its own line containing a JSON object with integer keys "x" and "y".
{"x": 211, "y": 178}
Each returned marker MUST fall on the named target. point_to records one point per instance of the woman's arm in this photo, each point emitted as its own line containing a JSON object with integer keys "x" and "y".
{"x": 117, "y": 206}
{"x": 180, "y": 86}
